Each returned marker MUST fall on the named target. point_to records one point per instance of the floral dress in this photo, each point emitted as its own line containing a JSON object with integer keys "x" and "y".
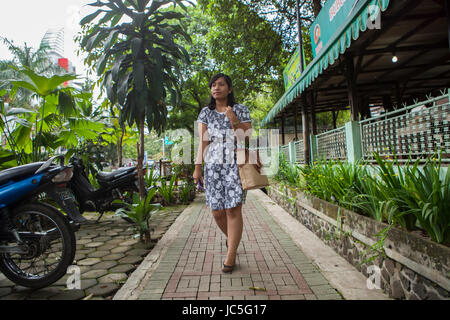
{"x": 222, "y": 183}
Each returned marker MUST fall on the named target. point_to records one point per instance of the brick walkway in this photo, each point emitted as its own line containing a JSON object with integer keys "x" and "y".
{"x": 267, "y": 259}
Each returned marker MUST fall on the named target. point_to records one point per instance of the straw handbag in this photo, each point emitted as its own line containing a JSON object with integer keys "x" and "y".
{"x": 250, "y": 177}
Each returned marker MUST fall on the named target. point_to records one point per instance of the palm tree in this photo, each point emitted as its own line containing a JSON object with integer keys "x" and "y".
{"x": 139, "y": 60}
{"x": 25, "y": 57}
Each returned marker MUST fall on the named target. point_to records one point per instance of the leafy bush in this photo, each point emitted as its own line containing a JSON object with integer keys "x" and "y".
{"x": 429, "y": 199}
{"x": 167, "y": 190}
{"x": 287, "y": 172}
{"x": 393, "y": 186}
{"x": 185, "y": 192}
{"x": 151, "y": 180}
{"x": 140, "y": 212}
{"x": 408, "y": 196}
{"x": 333, "y": 181}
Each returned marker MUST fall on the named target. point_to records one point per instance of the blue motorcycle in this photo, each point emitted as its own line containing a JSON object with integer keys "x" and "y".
{"x": 37, "y": 241}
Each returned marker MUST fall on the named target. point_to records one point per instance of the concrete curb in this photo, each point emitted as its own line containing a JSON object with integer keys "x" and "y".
{"x": 137, "y": 280}
{"x": 340, "y": 274}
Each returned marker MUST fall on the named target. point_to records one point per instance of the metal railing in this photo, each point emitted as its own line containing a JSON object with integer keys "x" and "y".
{"x": 332, "y": 145}
{"x": 285, "y": 150}
{"x": 419, "y": 130}
{"x": 299, "y": 151}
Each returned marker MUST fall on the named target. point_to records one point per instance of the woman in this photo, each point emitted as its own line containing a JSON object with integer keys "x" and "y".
{"x": 217, "y": 123}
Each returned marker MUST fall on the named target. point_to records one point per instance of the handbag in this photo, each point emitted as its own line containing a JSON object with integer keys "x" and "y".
{"x": 251, "y": 178}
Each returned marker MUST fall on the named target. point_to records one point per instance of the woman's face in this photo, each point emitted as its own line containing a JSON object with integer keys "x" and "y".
{"x": 220, "y": 89}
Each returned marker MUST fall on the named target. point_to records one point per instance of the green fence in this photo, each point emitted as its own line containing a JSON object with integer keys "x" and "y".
{"x": 420, "y": 130}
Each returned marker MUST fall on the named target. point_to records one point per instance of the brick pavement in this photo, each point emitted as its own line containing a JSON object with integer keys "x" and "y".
{"x": 267, "y": 258}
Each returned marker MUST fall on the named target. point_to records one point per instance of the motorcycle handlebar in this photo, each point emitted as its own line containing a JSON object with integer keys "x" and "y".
{"x": 49, "y": 162}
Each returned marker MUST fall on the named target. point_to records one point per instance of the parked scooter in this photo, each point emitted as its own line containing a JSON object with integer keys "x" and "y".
{"x": 37, "y": 241}
{"x": 113, "y": 185}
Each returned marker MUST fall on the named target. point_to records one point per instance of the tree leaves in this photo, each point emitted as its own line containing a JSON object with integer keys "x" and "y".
{"x": 136, "y": 73}
{"x": 122, "y": 88}
{"x": 39, "y": 84}
{"x": 139, "y": 76}
{"x": 90, "y": 17}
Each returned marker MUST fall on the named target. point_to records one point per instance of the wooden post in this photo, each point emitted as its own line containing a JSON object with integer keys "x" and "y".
{"x": 387, "y": 103}
{"x": 313, "y": 113}
{"x": 351, "y": 84}
{"x": 334, "y": 119}
{"x": 305, "y": 124}
{"x": 364, "y": 107}
{"x": 447, "y": 11}
{"x": 295, "y": 122}
{"x": 398, "y": 95}
{"x": 283, "y": 122}
{"x": 300, "y": 38}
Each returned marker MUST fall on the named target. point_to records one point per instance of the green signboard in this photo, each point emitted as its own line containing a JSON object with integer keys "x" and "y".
{"x": 292, "y": 70}
{"x": 332, "y": 15}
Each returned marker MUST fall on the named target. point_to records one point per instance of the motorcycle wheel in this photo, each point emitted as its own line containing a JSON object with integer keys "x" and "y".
{"x": 49, "y": 254}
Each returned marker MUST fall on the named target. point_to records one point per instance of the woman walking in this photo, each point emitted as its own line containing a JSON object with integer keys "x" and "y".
{"x": 217, "y": 123}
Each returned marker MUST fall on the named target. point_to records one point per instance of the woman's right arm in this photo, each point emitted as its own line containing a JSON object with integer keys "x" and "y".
{"x": 203, "y": 144}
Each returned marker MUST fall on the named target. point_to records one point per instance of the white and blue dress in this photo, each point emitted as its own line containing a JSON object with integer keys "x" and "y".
{"x": 221, "y": 179}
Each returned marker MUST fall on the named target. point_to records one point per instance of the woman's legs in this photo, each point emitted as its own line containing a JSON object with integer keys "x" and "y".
{"x": 221, "y": 219}
{"x": 234, "y": 231}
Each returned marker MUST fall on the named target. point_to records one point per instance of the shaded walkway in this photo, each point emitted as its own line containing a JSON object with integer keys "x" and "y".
{"x": 187, "y": 264}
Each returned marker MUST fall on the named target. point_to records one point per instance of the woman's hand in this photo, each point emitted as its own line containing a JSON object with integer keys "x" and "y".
{"x": 231, "y": 115}
{"x": 198, "y": 174}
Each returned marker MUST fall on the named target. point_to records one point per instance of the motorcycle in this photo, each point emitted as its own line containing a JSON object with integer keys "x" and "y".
{"x": 113, "y": 185}
{"x": 37, "y": 241}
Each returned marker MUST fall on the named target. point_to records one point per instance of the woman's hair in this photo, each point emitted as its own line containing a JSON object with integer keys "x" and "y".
{"x": 231, "y": 100}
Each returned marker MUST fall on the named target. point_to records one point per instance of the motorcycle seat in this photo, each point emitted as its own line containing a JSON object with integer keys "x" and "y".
{"x": 109, "y": 176}
{"x": 19, "y": 172}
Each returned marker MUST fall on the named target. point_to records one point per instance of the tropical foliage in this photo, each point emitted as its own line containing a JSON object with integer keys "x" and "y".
{"x": 409, "y": 196}
{"x": 139, "y": 62}
{"x": 140, "y": 212}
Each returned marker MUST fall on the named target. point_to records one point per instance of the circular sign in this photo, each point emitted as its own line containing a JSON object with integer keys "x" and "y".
{"x": 317, "y": 33}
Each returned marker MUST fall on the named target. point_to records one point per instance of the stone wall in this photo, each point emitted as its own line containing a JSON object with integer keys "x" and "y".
{"x": 410, "y": 268}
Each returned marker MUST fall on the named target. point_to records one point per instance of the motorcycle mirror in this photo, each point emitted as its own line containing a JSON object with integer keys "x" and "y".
{"x": 49, "y": 162}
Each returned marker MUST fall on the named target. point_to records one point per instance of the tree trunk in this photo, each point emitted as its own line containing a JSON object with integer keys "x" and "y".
{"x": 316, "y": 7}
{"x": 120, "y": 148}
{"x": 140, "y": 166}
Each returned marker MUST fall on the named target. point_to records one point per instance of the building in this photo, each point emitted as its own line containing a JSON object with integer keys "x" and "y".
{"x": 55, "y": 39}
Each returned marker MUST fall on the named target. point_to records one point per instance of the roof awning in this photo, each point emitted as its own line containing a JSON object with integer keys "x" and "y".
{"x": 357, "y": 22}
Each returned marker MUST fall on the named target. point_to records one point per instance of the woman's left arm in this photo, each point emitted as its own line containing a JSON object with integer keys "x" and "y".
{"x": 243, "y": 131}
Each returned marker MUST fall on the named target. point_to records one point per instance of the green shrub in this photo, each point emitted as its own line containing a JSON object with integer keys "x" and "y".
{"x": 287, "y": 172}
{"x": 407, "y": 195}
{"x": 428, "y": 199}
{"x": 150, "y": 180}
{"x": 167, "y": 190}
{"x": 185, "y": 192}
{"x": 140, "y": 212}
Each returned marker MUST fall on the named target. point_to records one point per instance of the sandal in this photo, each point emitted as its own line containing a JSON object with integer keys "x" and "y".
{"x": 227, "y": 269}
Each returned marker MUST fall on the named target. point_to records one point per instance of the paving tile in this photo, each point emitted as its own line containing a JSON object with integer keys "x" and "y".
{"x": 267, "y": 258}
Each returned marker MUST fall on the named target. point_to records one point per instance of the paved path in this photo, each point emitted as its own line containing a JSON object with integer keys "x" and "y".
{"x": 186, "y": 264}
{"x": 107, "y": 253}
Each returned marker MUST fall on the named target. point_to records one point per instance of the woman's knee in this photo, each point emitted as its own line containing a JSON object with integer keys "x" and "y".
{"x": 234, "y": 212}
{"x": 218, "y": 214}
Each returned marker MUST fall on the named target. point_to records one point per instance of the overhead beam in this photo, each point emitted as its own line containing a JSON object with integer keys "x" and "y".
{"x": 389, "y": 49}
{"x": 387, "y": 25}
{"x": 447, "y": 13}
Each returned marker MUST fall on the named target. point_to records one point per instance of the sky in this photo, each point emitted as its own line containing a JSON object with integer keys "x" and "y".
{"x": 28, "y": 20}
